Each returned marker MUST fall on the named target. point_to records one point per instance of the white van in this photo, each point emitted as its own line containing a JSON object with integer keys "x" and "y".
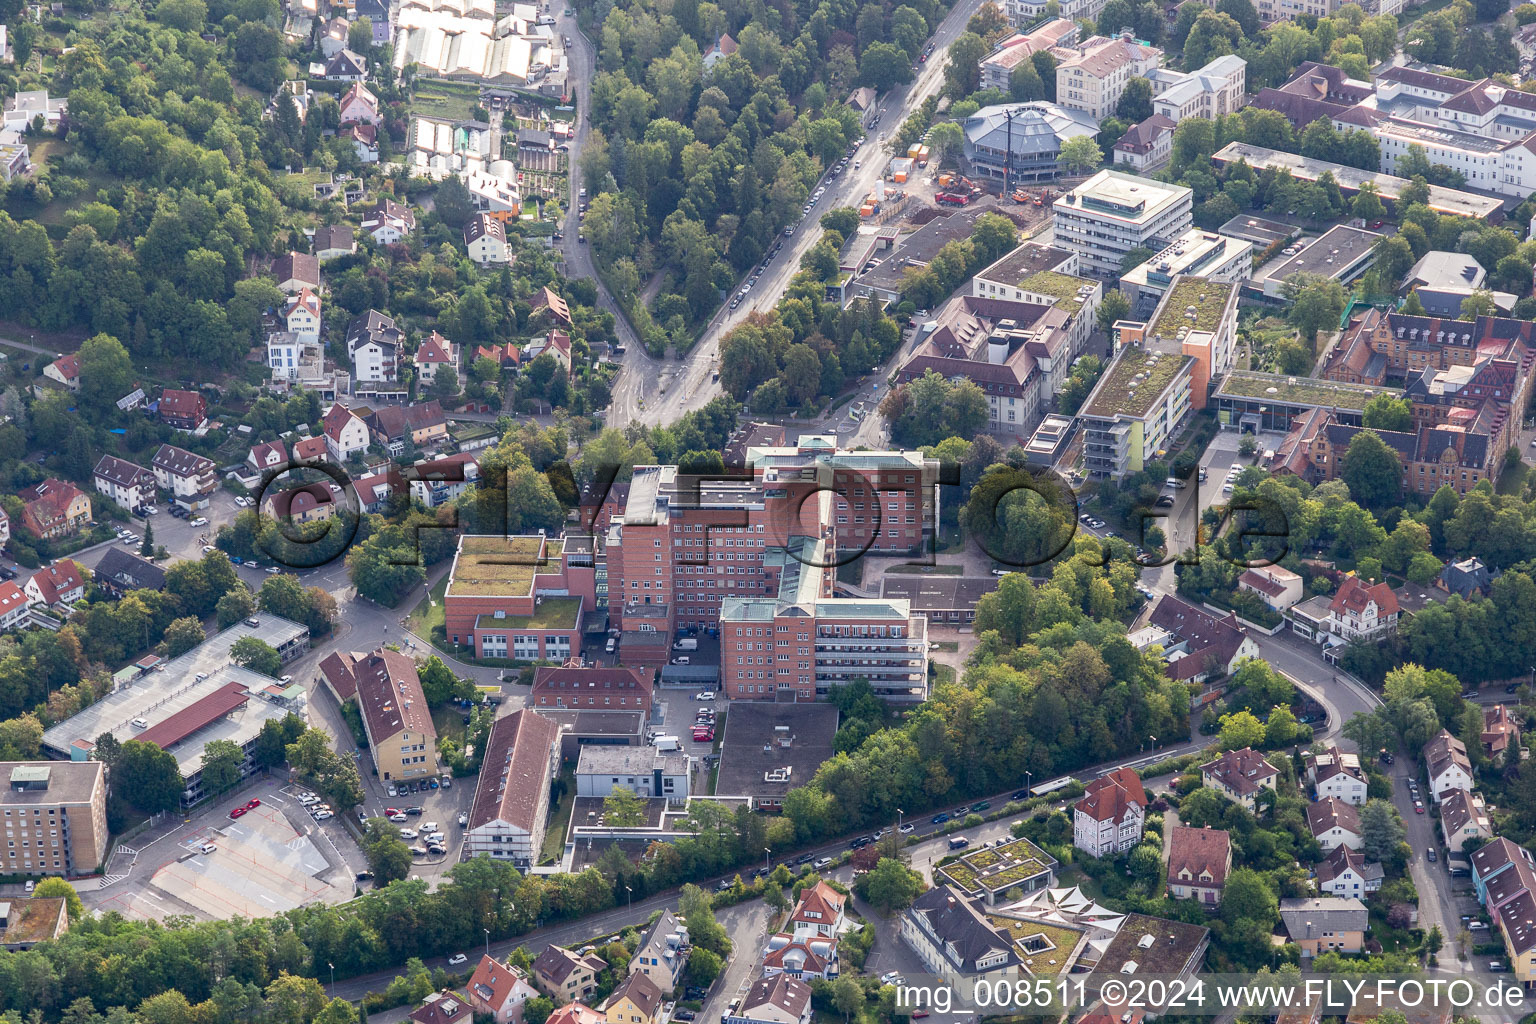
{"x": 609, "y": 646}
{"x": 666, "y": 743}
{"x": 208, "y": 848}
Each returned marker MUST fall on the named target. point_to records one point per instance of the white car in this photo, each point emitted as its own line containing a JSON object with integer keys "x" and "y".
{"x": 408, "y": 833}
{"x": 890, "y": 977}
{"x": 321, "y": 815}
{"x": 704, "y": 695}
{"x": 242, "y": 501}
{"x": 197, "y": 521}
{"x": 308, "y": 799}
{"x": 457, "y": 959}
{"x": 463, "y": 820}
{"x": 397, "y": 818}
{"x": 435, "y": 837}
{"x": 273, "y": 570}
{"x": 207, "y": 548}
{"x": 391, "y": 790}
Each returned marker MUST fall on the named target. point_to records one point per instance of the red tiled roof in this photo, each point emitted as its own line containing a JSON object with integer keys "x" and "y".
{"x": 1107, "y": 798}
{"x": 1354, "y": 595}
{"x": 1200, "y": 850}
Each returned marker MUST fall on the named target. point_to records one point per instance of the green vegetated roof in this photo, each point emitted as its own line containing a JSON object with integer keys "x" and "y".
{"x": 490, "y": 566}
{"x": 1300, "y": 390}
{"x": 1062, "y": 287}
{"x": 1134, "y": 381}
{"x": 1044, "y": 947}
{"x": 998, "y": 868}
{"x": 552, "y": 613}
{"x": 1208, "y": 299}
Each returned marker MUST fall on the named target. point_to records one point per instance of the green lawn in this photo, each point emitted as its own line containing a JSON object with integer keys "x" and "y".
{"x": 559, "y": 820}
{"x": 430, "y": 613}
{"x": 1513, "y": 479}
{"x": 451, "y": 100}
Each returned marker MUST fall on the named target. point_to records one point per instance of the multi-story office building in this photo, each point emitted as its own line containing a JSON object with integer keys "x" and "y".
{"x": 55, "y": 815}
{"x": 1139, "y": 403}
{"x": 1211, "y": 92}
{"x": 519, "y": 597}
{"x": 1112, "y": 213}
{"x": 1195, "y": 252}
{"x": 1095, "y": 74}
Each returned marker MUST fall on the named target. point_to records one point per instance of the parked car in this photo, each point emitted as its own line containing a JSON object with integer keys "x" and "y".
{"x": 821, "y": 863}
{"x": 237, "y": 812}
{"x": 939, "y": 819}
{"x": 457, "y": 959}
{"x": 253, "y": 805}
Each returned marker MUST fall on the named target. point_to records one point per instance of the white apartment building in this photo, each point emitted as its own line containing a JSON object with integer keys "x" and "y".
{"x": 644, "y": 771}
{"x": 1214, "y": 91}
{"x": 1094, "y": 77}
{"x": 292, "y": 357}
{"x": 1112, "y": 213}
{"x": 189, "y": 477}
{"x": 124, "y": 482}
{"x": 1271, "y": 11}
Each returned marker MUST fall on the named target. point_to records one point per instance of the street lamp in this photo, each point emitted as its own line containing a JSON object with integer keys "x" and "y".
{"x": 487, "y": 941}
{"x": 333, "y": 977}
{"x": 765, "y": 860}
{"x": 630, "y": 893}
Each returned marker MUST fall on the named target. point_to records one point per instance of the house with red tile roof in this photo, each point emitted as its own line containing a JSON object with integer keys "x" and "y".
{"x": 184, "y": 410}
{"x": 267, "y": 455}
{"x": 1199, "y": 860}
{"x": 56, "y": 586}
{"x": 1239, "y": 775}
{"x": 546, "y": 299}
{"x": 499, "y": 991}
{"x": 1334, "y": 823}
{"x": 311, "y": 449}
{"x": 346, "y": 434}
{"x": 306, "y": 503}
{"x": 54, "y": 508}
{"x": 1109, "y": 818}
{"x": 563, "y": 974}
{"x": 445, "y": 1007}
{"x": 575, "y": 1013}
{"x": 13, "y": 605}
{"x": 1501, "y": 731}
{"x": 296, "y": 271}
{"x": 128, "y": 484}
{"x": 1362, "y": 609}
{"x": 65, "y": 370}
{"x": 1198, "y": 644}
{"x": 819, "y": 914}
{"x": 436, "y": 354}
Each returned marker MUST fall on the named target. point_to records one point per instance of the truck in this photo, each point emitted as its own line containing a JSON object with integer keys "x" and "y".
{"x": 687, "y": 643}
{"x": 953, "y": 198}
{"x": 666, "y": 743}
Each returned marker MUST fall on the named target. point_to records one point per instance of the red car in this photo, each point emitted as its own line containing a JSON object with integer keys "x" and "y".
{"x": 237, "y": 812}
{"x": 392, "y": 810}
{"x": 253, "y": 805}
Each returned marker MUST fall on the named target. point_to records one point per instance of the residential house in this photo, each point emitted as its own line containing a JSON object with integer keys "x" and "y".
{"x": 65, "y": 370}
{"x": 388, "y": 221}
{"x": 13, "y": 606}
{"x": 346, "y": 434}
{"x": 1092, "y": 75}
{"x": 547, "y": 300}
{"x": 1518, "y": 926}
{"x": 445, "y": 1007}
{"x": 1362, "y": 610}
{"x": 436, "y": 355}
{"x": 5, "y": 528}
{"x": 1322, "y": 924}
{"x": 1199, "y": 860}
{"x": 1152, "y": 947}
{"x": 294, "y": 358}
{"x": 358, "y": 106}
{"x": 486, "y": 239}
{"x": 954, "y": 939}
{"x": 184, "y": 410}
{"x": 556, "y": 343}
{"x": 1277, "y": 587}
{"x": 54, "y": 508}
{"x": 575, "y": 1013}
{"x": 338, "y": 671}
{"x": 566, "y": 976}
{"x": 365, "y": 141}
{"x": 297, "y": 271}
{"x": 571, "y": 688}
{"x": 511, "y": 807}
{"x": 269, "y": 455}
{"x": 334, "y": 39}
{"x": 636, "y": 1000}
{"x": 334, "y": 240}
{"x": 1506, "y": 888}
{"x": 1465, "y": 578}
{"x": 301, "y": 315}
{"x": 378, "y": 14}
{"x": 1204, "y": 646}
{"x": 1496, "y": 857}
{"x": 396, "y": 718}
{"x": 1239, "y": 775}
{"x": 819, "y": 913}
{"x": 311, "y": 450}
{"x": 724, "y": 47}
{"x": 56, "y": 586}
{"x": 1463, "y": 816}
{"x": 777, "y": 999}
{"x": 24, "y": 108}
{"x": 1345, "y": 872}
{"x": 499, "y": 991}
{"x": 307, "y": 503}
{"x": 1501, "y": 732}
{"x": 509, "y": 357}
{"x": 15, "y": 160}
{"x": 120, "y": 571}
{"x": 374, "y": 345}
{"x": 440, "y": 480}
{"x": 1445, "y": 756}
{"x": 1109, "y": 818}
{"x": 1334, "y": 773}
{"x": 189, "y": 477}
{"x": 125, "y": 483}
{"x": 422, "y": 424}
{"x": 1146, "y": 146}
{"x": 800, "y": 958}
{"x": 663, "y": 953}
{"x": 1334, "y": 823}
{"x": 345, "y": 66}
{"x": 375, "y": 489}
{"x": 649, "y": 773}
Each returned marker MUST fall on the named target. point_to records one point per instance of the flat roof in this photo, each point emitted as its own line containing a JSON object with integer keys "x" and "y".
{"x": 1441, "y": 200}
{"x": 1134, "y": 382}
{"x": 1308, "y": 391}
{"x": 68, "y": 782}
{"x": 1191, "y": 253}
{"x": 1257, "y": 230}
{"x": 997, "y": 868}
{"x": 937, "y": 593}
{"x": 596, "y": 723}
{"x": 753, "y": 746}
{"x": 919, "y": 247}
{"x": 488, "y": 566}
{"x": 159, "y": 694}
{"x": 1193, "y": 302}
{"x": 1122, "y": 196}
{"x": 1064, "y": 288}
{"x": 551, "y": 613}
{"x": 1337, "y": 254}
{"x": 197, "y": 715}
{"x": 1028, "y": 259}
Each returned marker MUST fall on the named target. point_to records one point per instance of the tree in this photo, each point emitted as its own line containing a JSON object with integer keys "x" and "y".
{"x": 54, "y": 888}
{"x": 1373, "y": 471}
{"x": 106, "y": 374}
{"x": 847, "y": 996}
{"x": 221, "y": 765}
{"x": 1080, "y": 154}
{"x": 257, "y": 655}
{"x": 890, "y": 887}
{"x": 1136, "y": 257}
{"x": 182, "y": 635}
{"x": 1367, "y": 205}
{"x": 186, "y": 15}
{"x": 704, "y": 966}
{"x": 360, "y": 36}
{"x": 388, "y": 857}
{"x": 1384, "y": 412}
{"x": 1114, "y": 306}
{"x": 623, "y": 809}
{"x": 1317, "y": 304}
{"x": 963, "y": 72}
{"x": 884, "y": 65}
{"x": 1381, "y": 830}
{"x": 147, "y": 777}
{"x": 1240, "y": 729}
{"x": 1479, "y": 303}
{"x": 1135, "y": 103}
{"x": 236, "y": 605}
{"x": 1370, "y": 731}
